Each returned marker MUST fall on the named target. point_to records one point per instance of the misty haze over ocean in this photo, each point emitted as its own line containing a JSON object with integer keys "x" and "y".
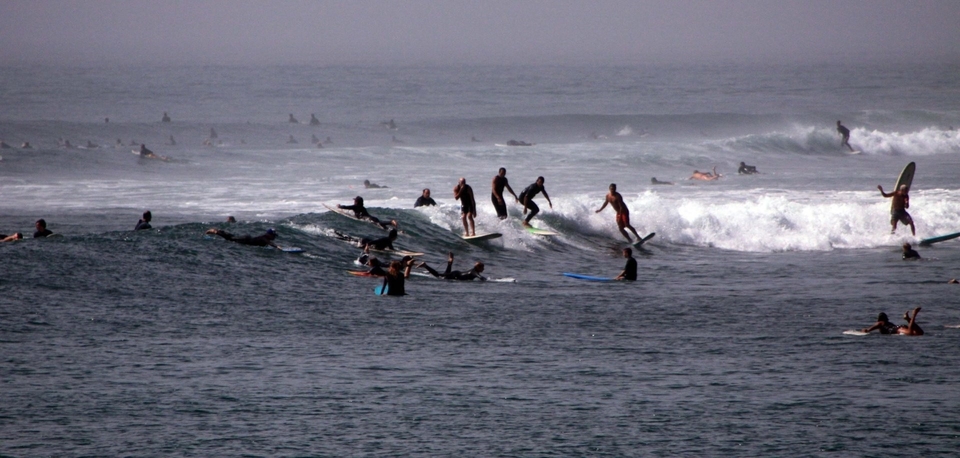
{"x": 168, "y": 343}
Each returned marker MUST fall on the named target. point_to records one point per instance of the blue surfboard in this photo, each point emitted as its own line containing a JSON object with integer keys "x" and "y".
{"x": 942, "y": 238}
{"x": 381, "y": 290}
{"x": 587, "y": 277}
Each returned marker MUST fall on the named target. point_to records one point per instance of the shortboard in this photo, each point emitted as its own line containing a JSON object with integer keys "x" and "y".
{"x": 381, "y": 290}
{"x": 291, "y": 249}
{"x": 536, "y": 231}
{"x": 941, "y": 238}
{"x": 481, "y": 237}
{"x": 640, "y": 242}
{"x": 854, "y": 332}
{"x": 351, "y": 215}
{"x": 587, "y": 277}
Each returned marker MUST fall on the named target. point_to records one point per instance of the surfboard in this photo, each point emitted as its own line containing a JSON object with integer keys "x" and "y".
{"x": 155, "y": 156}
{"x": 906, "y": 176}
{"x": 854, "y": 152}
{"x": 381, "y": 290}
{"x": 587, "y": 277}
{"x": 640, "y": 242}
{"x": 855, "y": 332}
{"x": 481, "y": 237}
{"x": 399, "y": 252}
{"x": 940, "y": 238}
{"x": 291, "y": 249}
{"x": 536, "y": 231}
{"x": 350, "y": 214}
{"x": 361, "y": 273}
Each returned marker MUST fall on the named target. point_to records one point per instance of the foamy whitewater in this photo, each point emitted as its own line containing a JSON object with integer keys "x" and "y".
{"x": 165, "y": 342}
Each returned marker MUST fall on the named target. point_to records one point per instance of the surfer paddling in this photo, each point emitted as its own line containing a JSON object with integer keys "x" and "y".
{"x": 500, "y": 183}
{"x": 526, "y": 197}
{"x": 472, "y": 274}
{"x": 898, "y": 209}
{"x": 884, "y": 326}
{"x": 705, "y": 176}
{"x": 382, "y": 243}
{"x": 615, "y": 200}
{"x": 144, "y": 152}
{"x": 266, "y": 239}
{"x": 360, "y": 212}
{"x": 468, "y": 206}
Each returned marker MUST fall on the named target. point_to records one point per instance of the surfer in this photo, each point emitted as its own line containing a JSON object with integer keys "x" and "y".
{"x": 468, "y": 206}
{"x": 165, "y": 118}
{"x": 518, "y": 143}
{"x": 396, "y": 140}
{"x": 144, "y": 152}
{"x": 293, "y": 120}
{"x": 472, "y": 274}
{"x": 909, "y": 253}
{"x": 629, "y": 270}
{"x": 42, "y": 230}
{"x": 144, "y": 222}
{"x": 526, "y": 197}
{"x": 12, "y": 237}
{"x": 705, "y": 176}
{"x": 390, "y": 125}
{"x": 314, "y": 139}
{"x": 884, "y": 326}
{"x": 747, "y": 169}
{"x": 313, "y": 120}
{"x": 26, "y": 145}
{"x": 291, "y": 140}
{"x": 213, "y": 133}
{"x": 398, "y": 272}
{"x": 92, "y": 145}
{"x": 623, "y": 213}
{"x": 654, "y": 180}
{"x": 424, "y": 199}
{"x": 261, "y": 240}
{"x": 382, "y": 244}
{"x": 172, "y": 142}
{"x": 367, "y": 184}
{"x": 844, "y": 135}
{"x": 474, "y": 139}
{"x": 499, "y": 183}
{"x": 360, "y": 212}
{"x": 898, "y": 210}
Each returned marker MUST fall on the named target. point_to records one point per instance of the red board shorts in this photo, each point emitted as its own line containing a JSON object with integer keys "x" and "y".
{"x": 623, "y": 219}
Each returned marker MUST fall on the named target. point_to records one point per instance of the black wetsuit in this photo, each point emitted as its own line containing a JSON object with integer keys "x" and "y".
{"x": 747, "y": 170}
{"x": 395, "y": 285}
{"x": 260, "y": 240}
{"x": 500, "y": 204}
{"x": 911, "y": 254}
{"x": 453, "y": 274}
{"x": 144, "y": 152}
{"x": 468, "y": 206}
{"x": 424, "y": 201}
{"x": 360, "y": 212}
{"x": 42, "y": 233}
{"x": 527, "y": 197}
{"x": 630, "y": 270}
{"x": 383, "y": 243}
{"x": 141, "y": 225}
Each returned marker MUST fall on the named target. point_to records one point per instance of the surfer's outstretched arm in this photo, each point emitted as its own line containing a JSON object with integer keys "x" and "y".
{"x": 883, "y": 193}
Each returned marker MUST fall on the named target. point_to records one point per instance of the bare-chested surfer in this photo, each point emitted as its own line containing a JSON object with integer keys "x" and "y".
{"x": 898, "y": 210}
{"x": 623, "y": 213}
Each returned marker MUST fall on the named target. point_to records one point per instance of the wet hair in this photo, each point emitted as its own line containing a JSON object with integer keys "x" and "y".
{"x": 147, "y": 215}
{"x": 628, "y": 250}
{"x": 41, "y": 222}
{"x": 358, "y": 199}
{"x": 540, "y": 179}
{"x": 478, "y": 266}
{"x": 426, "y": 190}
{"x": 393, "y": 233}
{"x": 613, "y": 186}
{"x": 502, "y": 169}
{"x": 395, "y": 267}
{"x": 882, "y": 317}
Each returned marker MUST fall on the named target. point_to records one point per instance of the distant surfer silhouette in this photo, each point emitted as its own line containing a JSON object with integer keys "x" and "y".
{"x": 747, "y": 169}
{"x": 654, "y": 180}
{"x": 165, "y": 118}
{"x": 293, "y": 120}
{"x": 518, "y": 143}
{"x": 844, "y": 135}
{"x": 313, "y": 120}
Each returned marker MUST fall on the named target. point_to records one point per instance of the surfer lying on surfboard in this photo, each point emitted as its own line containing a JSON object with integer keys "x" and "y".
{"x": 360, "y": 212}
{"x": 705, "y": 176}
{"x": 382, "y": 243}
{"x": 472, "y": 274}
{"x": 261, "y": 240}
{"x": 884, "y": 325}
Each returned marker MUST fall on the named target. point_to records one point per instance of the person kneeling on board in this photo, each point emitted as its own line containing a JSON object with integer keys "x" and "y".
{"x": 261, "y": 240}
{"x": 630, "y": 270}
{"x": 472, "y": 274}
{"x": 884, "y": 325}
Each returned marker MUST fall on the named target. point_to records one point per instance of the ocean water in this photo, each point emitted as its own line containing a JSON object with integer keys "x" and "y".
{"x": 169, "y": 343}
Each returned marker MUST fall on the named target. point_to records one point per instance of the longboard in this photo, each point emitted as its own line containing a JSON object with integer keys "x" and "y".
{"x": 399, "y": 252}
{"x": 536, "y": 231}
{"x": 587, "y": 277}
{"x": 941, "y": 238}
{"x": 905, "y": 178}
{"x": 361, "y": 273}
{"x": 640, "y": 242}
{"x": 351, "y": 215}
{"x": 481, "y": 237}
{"x": 854, "y": 332}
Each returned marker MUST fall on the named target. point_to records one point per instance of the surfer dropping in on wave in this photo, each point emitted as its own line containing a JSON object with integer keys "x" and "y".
{"x": 500, "y": 183}
{"x": 898, "y": 210}
{"x": 623, "y": 213}
{"x": 526, "y": 198}
{"x": 844, "y": 135}
{"x": 360, "y": 212}
{"x": 468, "y": 206}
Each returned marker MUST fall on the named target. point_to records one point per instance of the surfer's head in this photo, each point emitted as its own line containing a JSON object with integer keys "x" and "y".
{"x": 147, "y": 216}
{"x": 358, "y": 200}
{"x": 271, "y": 234}
{"x": 426, "y": 192}
{"x": 882, "y": 317}
{"x": 392, "y": 234}
{"x": 41, "y": 224}
{"x": 540, "y": 181}
{"x": 904, "y": 188}
{"x": 613, "y": 187}
{"x": 627, "y": 252}
{"x": 502, "y": 171}
{"x": 478, "y": 267}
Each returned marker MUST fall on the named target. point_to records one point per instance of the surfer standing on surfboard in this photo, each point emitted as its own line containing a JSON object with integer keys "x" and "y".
{"x": 499, "y": 183}
{"x": 468, "y": 206}
{"x": 526, "y": 197}
{"x": 623, "y": 213}
{"x": 844, "y": 136}
{"x": 898, "y": 210}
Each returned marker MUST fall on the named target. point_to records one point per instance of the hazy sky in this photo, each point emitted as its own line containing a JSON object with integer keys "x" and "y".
{"x": 480, "y": 31}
